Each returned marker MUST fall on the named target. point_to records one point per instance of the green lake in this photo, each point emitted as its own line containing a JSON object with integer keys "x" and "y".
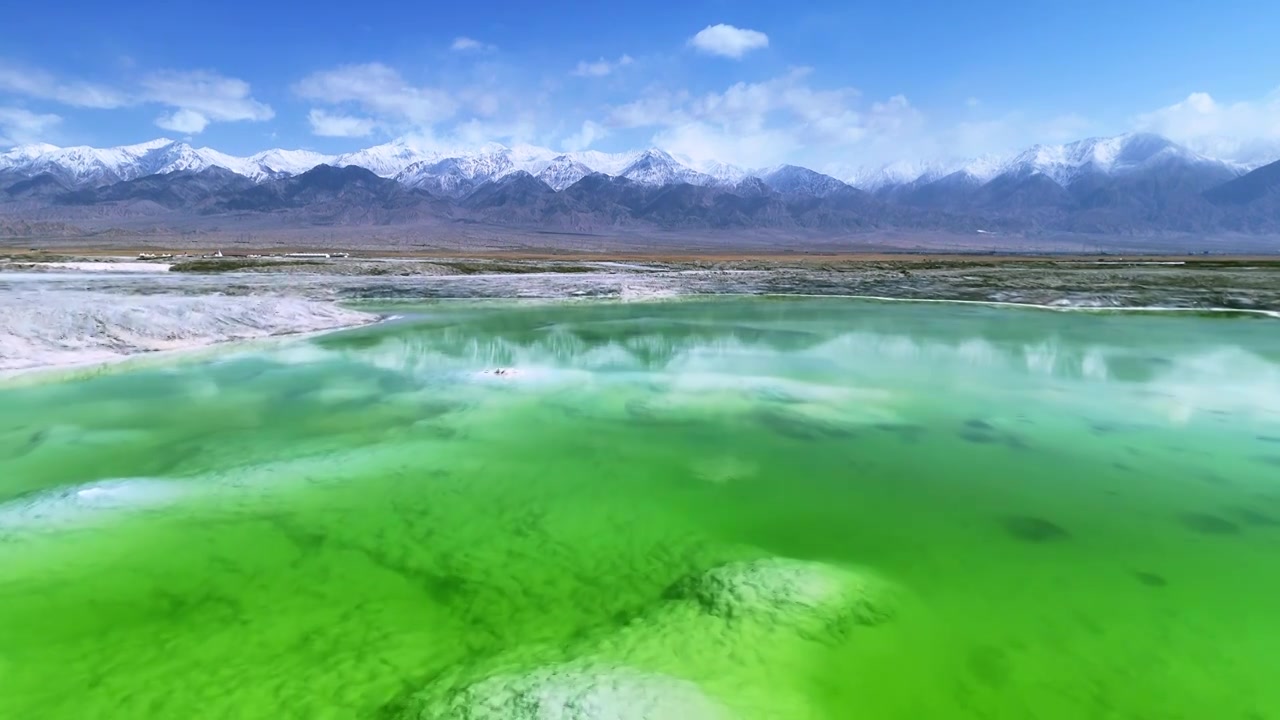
{"x": 706, "y": 508}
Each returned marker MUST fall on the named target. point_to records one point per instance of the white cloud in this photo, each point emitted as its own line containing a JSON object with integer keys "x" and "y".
{"x": 590, "y": 133}
{"x": 728, "y": 41}
{"x": 187, "y": 122}
{"x": 972, "y": 102}
{"x": 19, "y": 126}
{"x": 706, "y": 143}
{"x": 1245, "y": 131}
{"x": 381, "y": 92}
{"x": 327, "y": 124}
{"x": 200, "y": 97}
{"x": 601, "y": 67}
{"x": 197, "y": 98}
{"x": 44, "y": 86}
{"x": 656, "y": 107}
{"x": 767, "y": 122}
{"x": 788, "y": 119}
{"x": 475, "y": 132}
{"x": 481, "y": 102}
{"x": 466, "y": 44}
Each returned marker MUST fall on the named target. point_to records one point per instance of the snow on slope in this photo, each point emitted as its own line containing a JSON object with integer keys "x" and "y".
{"x": 656, "y": 167}
{"x": 895, "y": 173}
{"x": 389, "y": 159}
{"x": 602, "y": 162}
{"x": 457, "y": 171}
{"x": 97, "y": 166}
{"x": 795, "y": 180}
{"x": 562, "y": 172}
{"x": 290, "y": 162}
{"x": 722, "y": 173}
{"x": 1109, "y": 156}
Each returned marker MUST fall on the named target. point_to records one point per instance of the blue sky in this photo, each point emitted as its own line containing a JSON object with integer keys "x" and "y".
{"x": 826, "y": 83}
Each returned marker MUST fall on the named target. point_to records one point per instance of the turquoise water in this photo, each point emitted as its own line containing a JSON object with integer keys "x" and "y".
{"x": 750, "y": 508}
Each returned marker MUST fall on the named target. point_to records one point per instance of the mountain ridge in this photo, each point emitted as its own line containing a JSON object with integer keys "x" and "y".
{"x": 1132, "y": 184}
{"x": 83, "y": 165}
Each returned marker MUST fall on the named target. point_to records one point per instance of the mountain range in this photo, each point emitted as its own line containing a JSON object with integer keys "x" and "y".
{"x": 1135, "y": 184}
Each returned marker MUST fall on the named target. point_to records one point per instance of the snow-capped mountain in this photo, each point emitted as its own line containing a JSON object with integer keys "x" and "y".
{"x": 562, "y": 172}
{"x": 895, "y": 173}
{"x": 457, "y": 176}
{"x": 86, "y": 166}
{"x": 795, "y": 180}
{"x": 723, "y": 174}
{"x": 656, "y": 167}
{"x": 603, "y": 162}
{"x": 389, "y": 159}
{"x": 457, "y": 172}
{"x": 1064, "y": 164}
{"x": 289, "y": 162}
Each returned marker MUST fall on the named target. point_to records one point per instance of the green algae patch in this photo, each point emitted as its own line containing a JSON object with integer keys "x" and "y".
{"x": 734, "y": 508}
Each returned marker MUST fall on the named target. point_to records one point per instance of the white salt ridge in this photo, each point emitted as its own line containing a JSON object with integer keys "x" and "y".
{"x": 78, "y": 504}
{"x": 786, "y": 592}
{"x": 106, "y": 267}
{"x": 71, "y": 328}
{"x": 582, "y": 691}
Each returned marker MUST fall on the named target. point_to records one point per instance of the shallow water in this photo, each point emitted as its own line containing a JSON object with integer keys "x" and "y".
{"x": 1079, "y": 513}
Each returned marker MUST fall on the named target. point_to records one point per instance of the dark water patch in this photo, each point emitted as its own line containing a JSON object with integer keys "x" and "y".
{"x": 990, "y": 665}
{"x": 1213, "y": 478}
{"x": 1031, "y": 529}
{"x": 1091, "y": 626}
{"x": 33, "y": 442}
{"x": 1122, "y": 467}
{"x": 1015, "y": 442}
{"x": 798, "y": 427}
{"x": 436, "y": 408}
{"x": 1101, "y": 428}
{"x": 1273, "y": 460}
{"x": 1150, "y": 579}
{"x": 978, "y": 438}
{"x": 446, "y": 589}
{"x": 1207, "y": 524}
{"x": 364, "y": 339}
{"x": 980, "y": 425}
{"x": 906, "y": 433}
{"x": 1257, "y": 518}
{"x": 1270, "y": 498}
{"x": 437, "y": 430}
{"x": 777, "y": 395}
{"x": 1267, "y": 439}
{"x": 642, "y": 412}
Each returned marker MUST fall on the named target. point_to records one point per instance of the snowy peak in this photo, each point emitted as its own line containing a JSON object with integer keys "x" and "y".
{"x": 656, "y": 167}
{"x": 457, "y": 176}
{"x": 897, "y": 173}
{"x": 290, "y": 162}
{"x": 1064, "y": 164}
{"x": 602, "y": 162}
{"x": 562, "y": 172}
{"x": 387, "y": 160}
{"x": 87, "y": 165}
{"x": 724, "y": 174}
{"x": 795, "y": 180}
{"x": 455, "y": 173}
